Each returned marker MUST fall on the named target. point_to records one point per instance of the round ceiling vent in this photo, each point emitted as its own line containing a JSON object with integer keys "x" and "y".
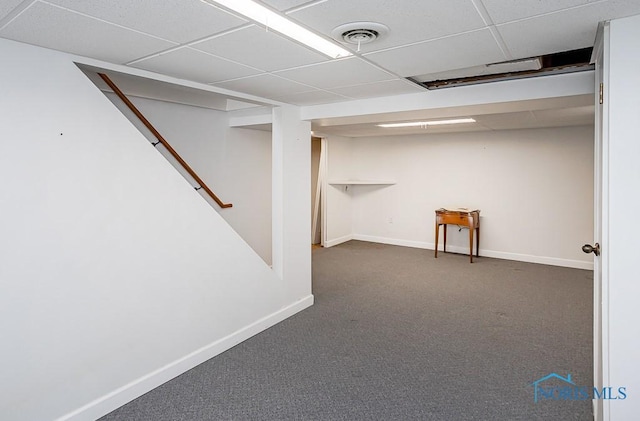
{"x": 359, "y": 33}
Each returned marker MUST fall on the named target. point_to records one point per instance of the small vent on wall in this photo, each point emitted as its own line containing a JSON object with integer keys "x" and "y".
{"x": 564, "y": 62}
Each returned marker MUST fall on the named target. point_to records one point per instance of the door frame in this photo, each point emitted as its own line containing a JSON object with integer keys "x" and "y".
{"x": 601, "y": 408}
{"x": 319, "y": 211}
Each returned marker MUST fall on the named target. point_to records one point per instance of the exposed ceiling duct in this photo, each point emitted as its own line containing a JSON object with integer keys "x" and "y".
{"x": 564, "y": 62}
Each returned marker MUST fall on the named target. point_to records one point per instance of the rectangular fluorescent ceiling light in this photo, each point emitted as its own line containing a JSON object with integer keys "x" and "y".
{"x": 272, "y": 20}
{"x": 429, "y": 123}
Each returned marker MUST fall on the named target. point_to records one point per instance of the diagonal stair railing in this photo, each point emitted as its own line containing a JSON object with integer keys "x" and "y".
{"x": 163, "y": 141}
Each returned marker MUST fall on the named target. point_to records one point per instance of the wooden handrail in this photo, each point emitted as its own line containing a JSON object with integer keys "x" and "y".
{"x": 163, "y": 141}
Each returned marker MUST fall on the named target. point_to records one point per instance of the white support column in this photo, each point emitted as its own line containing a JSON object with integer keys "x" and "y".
{"x": 291, "y": 160}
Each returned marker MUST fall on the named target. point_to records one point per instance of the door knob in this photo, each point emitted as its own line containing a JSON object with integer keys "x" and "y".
{"x": 595, "y": 249}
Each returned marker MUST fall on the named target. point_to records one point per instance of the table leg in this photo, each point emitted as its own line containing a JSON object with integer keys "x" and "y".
{"x": 470, "y": 245}
{"x": 478, "y": 242}
{"x": 437, "y": 232}
{"x": 444, "y": 247}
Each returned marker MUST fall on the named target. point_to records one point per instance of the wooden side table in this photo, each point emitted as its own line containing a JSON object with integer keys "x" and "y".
{"x": 462, "y": 217}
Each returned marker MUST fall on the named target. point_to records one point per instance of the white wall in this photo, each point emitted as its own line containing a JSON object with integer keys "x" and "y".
{"x": 337, "y": 203}
{"x": 622, "y": 252}
{"x": 115, "y": 275}
{"x": 534, "y": 189}
{"x": 244, "y": 172}
{"x": 235, "y": 163}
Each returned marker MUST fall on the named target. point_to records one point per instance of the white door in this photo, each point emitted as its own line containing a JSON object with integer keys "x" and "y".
{"x": 600, "y": 280}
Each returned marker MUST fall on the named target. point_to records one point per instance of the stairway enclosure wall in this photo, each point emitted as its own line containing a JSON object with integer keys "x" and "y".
{"x": 234, "y": 162}
{"x": 116, "y": 275}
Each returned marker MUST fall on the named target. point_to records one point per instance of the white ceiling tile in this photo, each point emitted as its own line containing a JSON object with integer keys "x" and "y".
{"x": 504, "y": 11}
{"x": 284, "y": 5}
{"x": 336, "y": 73}
{"x": 53, "y": 27}
{"x": 7, "y": 6}
{"x": 195, "y": 65}
{"x": 311, "y": 98}
{"x": 261, "y": 49}
{"x": 567, "y": 116}
{"x": 265, "y": 85}
{"x": 456, "y": 52}
{"x": 408, "y": 21}
{"x": 376, "y": 89}
{"x": 178, "y": 21}
{"x": 505, "y": 121}
{"x": 425, "y": 37}
{"x": 562, "y": 31}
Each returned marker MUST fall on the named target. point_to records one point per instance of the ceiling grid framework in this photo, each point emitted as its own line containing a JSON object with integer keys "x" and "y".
{"x": 488, "y": 21}
{"x": 195, "y": 41}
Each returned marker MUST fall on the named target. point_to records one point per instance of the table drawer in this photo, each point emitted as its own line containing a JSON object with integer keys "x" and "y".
{"x": 455, "y": 219}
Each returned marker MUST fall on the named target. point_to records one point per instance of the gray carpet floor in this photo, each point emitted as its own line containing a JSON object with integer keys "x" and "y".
{"x": 396, "y": 334}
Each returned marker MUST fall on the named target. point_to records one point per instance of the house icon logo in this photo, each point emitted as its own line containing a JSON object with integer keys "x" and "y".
{"x": 555, "y": 387}
{"x": 537, "y": 384}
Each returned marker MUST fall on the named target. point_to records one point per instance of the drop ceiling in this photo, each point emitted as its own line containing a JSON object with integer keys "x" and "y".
{"x": 192, "y": 40}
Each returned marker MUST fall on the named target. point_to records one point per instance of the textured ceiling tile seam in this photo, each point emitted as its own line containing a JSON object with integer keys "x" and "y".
{"x": 156, "y": 54}
{"x": 218, "y": 34}
{"x": 311, "y": 87}
{"x": 108, "y": 22}
{"x": 184, "y": 47}
{"x": 336, "y": 93}
{"x": 195, "y": 42}
{"x": 580, "y": 6}
{"x": 379, "y": 67}
{"x": 500, "y": 42}
{"x": 303, "y": 66}
{"x": 15, "y": 13}
{"x": 489, "y": 23}
{"x": 401, "y": 79}
{"x": 303, "y": 6}
{"x": 314, "y": 89}
{"x": 411, "y": 44}
{"x": 483, "y": 12}
{"x": 262, "y": 71}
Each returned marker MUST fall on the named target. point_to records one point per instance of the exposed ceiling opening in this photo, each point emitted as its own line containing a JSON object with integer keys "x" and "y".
{"x": 563, "y": 62}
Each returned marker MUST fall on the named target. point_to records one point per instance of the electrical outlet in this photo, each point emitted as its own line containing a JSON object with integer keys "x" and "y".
{"x": 391, "y": 220}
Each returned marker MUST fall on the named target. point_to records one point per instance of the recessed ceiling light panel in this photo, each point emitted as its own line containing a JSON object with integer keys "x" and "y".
{"x": 428, "y": 123}
{"x": 285, "y": 26}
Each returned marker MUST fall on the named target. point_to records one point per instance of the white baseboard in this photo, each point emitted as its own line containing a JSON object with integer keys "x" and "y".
{"x": 139, "y": 387}
{"x": 394, "y": 241}
{"x": 545, "y": 260}
{"x": 336, "y": 241}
